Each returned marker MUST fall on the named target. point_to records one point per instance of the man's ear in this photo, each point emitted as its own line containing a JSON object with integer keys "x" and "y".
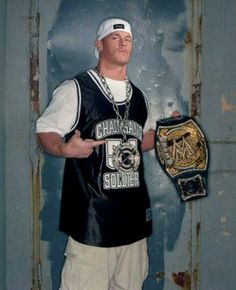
{"x": 99, "y": 45}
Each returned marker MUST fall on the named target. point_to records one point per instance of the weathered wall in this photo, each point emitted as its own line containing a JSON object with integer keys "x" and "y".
{"x": 218, "y": 115}
{"x": 194, "y": 240}
{"x": 2, "y": 139}
{"x": 16, "y": 124}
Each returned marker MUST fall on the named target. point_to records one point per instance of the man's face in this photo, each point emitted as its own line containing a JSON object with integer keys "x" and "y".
{"x": 116, "y": 48}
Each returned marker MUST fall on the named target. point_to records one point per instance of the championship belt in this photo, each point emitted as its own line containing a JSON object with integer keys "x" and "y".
{"x": 182, "y": 152}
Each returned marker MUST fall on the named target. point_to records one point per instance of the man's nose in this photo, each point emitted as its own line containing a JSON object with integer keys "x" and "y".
{"x": 123, "y": 42}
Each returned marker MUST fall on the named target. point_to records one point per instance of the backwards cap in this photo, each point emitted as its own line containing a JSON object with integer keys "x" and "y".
{"x": 111, "y": 25}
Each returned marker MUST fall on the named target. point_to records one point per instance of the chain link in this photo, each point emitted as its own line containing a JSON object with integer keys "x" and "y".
{"x": 121, "y": 120}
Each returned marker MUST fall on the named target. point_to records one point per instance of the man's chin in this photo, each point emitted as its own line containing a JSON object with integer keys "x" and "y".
{"x": 123, "y": 61}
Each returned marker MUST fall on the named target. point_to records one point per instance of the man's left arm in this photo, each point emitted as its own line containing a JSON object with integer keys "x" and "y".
{"x": 148, "y": 140}
{"x": 149, "y": 136}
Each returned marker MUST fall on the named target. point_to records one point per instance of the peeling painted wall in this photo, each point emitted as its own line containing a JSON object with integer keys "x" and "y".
{"x": 218, "y": 235}
{"x": 193, "y": 244}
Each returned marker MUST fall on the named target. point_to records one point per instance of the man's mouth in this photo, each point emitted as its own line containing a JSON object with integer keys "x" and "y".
{"x": 123, "y": 51}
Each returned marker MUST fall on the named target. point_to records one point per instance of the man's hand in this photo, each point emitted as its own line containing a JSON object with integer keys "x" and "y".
{"x": 80, "y": 148}
{"x": 76, "y": 147}
{"x": 175, "y": 114}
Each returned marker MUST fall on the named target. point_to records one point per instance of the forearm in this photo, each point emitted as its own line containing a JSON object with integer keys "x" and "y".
{"x": 52, "y": 143}
{"x": 76, "y": 147}
{"x": 148, "y": 140}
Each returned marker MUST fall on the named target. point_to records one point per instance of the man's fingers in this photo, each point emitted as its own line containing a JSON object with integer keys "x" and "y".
{"x": 77, "y": 133}
{"x": 175, "y": 114}
{"x": 94, "y": 143}
{"x": 98, "y": 143}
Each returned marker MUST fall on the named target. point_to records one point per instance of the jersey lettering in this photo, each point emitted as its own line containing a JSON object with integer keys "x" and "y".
{"x": 111, "y": 127}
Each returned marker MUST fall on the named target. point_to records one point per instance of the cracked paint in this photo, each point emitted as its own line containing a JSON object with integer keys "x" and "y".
{"x": 227, "y": 106}
{"x": 182, "y": 279}
{"x": 221, "y": 192}
{"x": 224, "y": 231}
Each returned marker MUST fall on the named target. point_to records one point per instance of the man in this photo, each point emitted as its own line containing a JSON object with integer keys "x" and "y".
{"x": 96, "y": 122}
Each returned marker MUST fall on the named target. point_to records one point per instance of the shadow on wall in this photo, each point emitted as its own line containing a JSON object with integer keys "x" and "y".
{"x": 156, "y": 67}
{"x": 51, "y": 184}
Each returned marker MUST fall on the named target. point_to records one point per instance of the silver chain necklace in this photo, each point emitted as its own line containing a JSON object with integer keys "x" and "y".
{"x": 125, "y": 157}
{"x": 121, "y": 120}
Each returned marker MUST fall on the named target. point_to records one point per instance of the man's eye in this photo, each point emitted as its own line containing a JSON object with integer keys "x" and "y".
{"x": 128, "y": 39}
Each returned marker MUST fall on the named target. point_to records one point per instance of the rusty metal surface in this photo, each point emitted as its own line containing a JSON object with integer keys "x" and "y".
{"x": 34, "y": 25}
{"x": 195, "y": 105}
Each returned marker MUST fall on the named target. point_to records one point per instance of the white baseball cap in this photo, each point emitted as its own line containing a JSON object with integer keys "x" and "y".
{"x": 111, "y": 25}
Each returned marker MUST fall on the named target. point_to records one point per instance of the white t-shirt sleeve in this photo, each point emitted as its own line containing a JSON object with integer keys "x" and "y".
{"x": 61, "y": 114}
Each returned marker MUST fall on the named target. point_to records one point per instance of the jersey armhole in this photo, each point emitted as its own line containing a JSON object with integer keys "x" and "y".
{"x": 146, "y": 102}
{"x": 78, "y": 92}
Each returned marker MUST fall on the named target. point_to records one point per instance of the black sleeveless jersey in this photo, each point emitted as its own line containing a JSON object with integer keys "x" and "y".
{"x": 104, "y": 197}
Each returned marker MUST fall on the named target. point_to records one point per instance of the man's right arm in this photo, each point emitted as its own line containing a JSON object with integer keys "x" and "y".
{"x": 76, "y": 147}
{"x": 57, "y": 121}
